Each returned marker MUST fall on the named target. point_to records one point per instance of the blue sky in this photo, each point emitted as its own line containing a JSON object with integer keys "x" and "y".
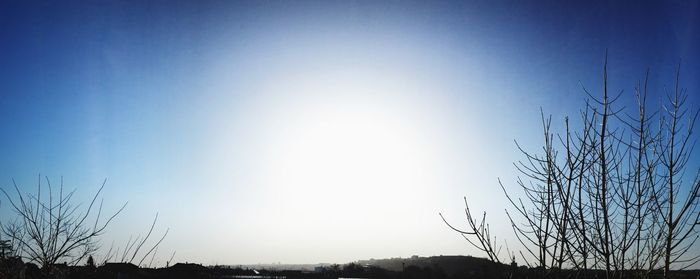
{"x": 226, "y": 117}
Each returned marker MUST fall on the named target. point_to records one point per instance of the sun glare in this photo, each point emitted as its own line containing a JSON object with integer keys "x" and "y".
{"x": 346, "y": 161}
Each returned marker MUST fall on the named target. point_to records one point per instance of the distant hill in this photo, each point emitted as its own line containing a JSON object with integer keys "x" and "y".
{"x": 451, "y": 265}
{"x": 279, "y": 266}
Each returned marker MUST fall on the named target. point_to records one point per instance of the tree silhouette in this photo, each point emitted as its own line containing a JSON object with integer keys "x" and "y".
{"x": 50, "y": 228}
{"x": 90, "y": 262}
{"x": 134, "y": 246}
{"x": 611, "y": 195}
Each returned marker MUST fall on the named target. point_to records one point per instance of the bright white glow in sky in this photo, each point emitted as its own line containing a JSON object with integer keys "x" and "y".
{"x": 339, "y": 161}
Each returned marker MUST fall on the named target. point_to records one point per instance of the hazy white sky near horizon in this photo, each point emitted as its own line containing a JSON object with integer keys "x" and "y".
{"x": 301, "y": 133}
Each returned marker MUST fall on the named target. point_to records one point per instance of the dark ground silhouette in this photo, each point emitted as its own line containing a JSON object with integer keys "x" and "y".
{"x": 439, "y": 267}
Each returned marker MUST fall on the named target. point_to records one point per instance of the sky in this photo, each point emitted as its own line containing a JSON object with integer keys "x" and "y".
{"x": 308, "y": 132}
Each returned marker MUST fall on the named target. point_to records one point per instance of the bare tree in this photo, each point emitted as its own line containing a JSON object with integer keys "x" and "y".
{"x": 481, "y": 231}
{"x": 50, "y": 228}
{"x": 626, "y": 190}
{"x": 611, "y": 195}
{"x": 134, "y": 248}
{"x": 680, "y": 205}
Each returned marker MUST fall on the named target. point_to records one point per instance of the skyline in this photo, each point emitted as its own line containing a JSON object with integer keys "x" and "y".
{"x": 310, "y": 132}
